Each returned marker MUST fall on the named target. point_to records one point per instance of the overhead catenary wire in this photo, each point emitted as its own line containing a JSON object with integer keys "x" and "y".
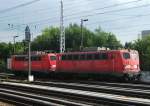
{"x": 16, "y": 15}
{"x": 88, "y": 11}
{"x": 118, "y": 19}
{"x": 118, "y": 28}
{"x": 99, "y": 13}
{"x": 66, "y": 20}
{"x": 70, "y": 2}
{"x": 100, "y": 22}
{"x": 25, "y": 4}
{"x": 18, "y": 6}
{"x": 109, "y": 6}
{"x": 106, "y": 12}
{"x": 56, "y": 17}
{"x": 131, "y": 26}
{"x": 37, "y": 10}
{"x": 125, "y": 3}
{"x": 79, "y": 4}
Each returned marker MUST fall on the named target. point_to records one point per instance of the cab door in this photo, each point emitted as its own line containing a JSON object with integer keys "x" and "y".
{"x": 115, "y": 61}
{"x": 112, "y": 60}
{"x": 52, "y": 59}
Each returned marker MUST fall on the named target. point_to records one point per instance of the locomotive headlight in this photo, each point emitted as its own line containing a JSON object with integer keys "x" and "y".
{"x": 53, "y": 66}
{"x": 127, "y": 66}
{"x": 135, "y": 66}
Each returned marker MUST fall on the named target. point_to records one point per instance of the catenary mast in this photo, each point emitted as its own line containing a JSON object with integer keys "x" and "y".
{"x": 62, "y": 30}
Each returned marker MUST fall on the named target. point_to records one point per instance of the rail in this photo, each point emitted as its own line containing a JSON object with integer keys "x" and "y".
{"x": 74, "y": 96}
{"x": 123, "y": 89}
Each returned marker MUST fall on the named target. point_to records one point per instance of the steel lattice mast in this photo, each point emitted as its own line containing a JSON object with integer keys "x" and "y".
{"x": 62, "y": 30}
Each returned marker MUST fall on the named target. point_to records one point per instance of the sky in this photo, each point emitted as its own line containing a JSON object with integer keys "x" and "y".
{"x": 125, "y": 18}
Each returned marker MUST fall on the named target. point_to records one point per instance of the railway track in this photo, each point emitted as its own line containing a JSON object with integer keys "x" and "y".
{"x": 74, "y": 96}
{"x": 6, "y": 75}
{"x": 141, "y": 85}
{"x": 26, "y": 96}
{"x": 124, "y": 90}
{"x": 141, "y": 91}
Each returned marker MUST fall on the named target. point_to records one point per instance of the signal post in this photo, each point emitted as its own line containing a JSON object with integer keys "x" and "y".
{"x": 28, "y": 39}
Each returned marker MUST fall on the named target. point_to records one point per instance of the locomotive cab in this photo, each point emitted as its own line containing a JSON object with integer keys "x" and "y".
{"x": 131, "y": 67}
{"x": 52, "y": 60}
{"x": 40, "y": 63}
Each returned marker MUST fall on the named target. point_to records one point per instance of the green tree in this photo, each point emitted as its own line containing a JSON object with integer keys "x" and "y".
{"x": 49, "y": 40}
{"x": 105, "y": 39}
{"x": 128, "y": 45}
{"x": 100, "y": 38}
{"x": 4, "y": 51}
{"x": 73, "y": 37}
{"x": 143, "y": 47}
{"x": 112, "y": 42}
{"x": 19, "y": 47}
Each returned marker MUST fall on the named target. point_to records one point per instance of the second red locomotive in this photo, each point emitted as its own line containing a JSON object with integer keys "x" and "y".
{"x": 124, "y": 63}
{"x": 40, "y": 62}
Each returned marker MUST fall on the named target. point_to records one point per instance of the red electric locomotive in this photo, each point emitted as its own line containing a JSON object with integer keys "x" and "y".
{"x": 119, "y": 62}
{"x": 39, "y": 63}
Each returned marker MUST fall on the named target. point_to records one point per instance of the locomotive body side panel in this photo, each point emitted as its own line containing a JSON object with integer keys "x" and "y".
{"x": 39, "y": 63}
{"x": 111, "y": 61}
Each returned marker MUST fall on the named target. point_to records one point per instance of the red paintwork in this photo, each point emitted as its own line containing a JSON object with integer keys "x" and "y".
{"x": 45, "y": 64}
{"x": 116, "y": 65}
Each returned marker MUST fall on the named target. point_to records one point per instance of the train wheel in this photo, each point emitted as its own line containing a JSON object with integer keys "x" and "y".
{"x": 16, "y": 73}
{"x": 126, "y": 78}
{"x": 138, "y": 77}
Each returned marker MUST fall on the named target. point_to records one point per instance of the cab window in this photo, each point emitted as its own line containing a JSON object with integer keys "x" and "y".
{"x": 104, "y": 56}
{"x": 52, "y": 57}
{"x": 69, "y": 57}
{"x": 75, "y": 57}
{"x": 63, "y": 57}
{"x": 83, "y": 57}
{"x": 35, "y": 58}
{"x": 101, "y": 56}
{"x": 89, "y": 56}
{"x": 126, "y": 55}
{"x": 20, "y": 58}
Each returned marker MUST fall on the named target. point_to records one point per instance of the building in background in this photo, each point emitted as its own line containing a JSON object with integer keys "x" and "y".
{"x": 145, "y": 33}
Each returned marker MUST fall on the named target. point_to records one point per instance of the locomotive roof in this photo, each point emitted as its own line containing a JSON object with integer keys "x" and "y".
{"x": 125, "y": 50}
{"x": 22, "y": 55}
